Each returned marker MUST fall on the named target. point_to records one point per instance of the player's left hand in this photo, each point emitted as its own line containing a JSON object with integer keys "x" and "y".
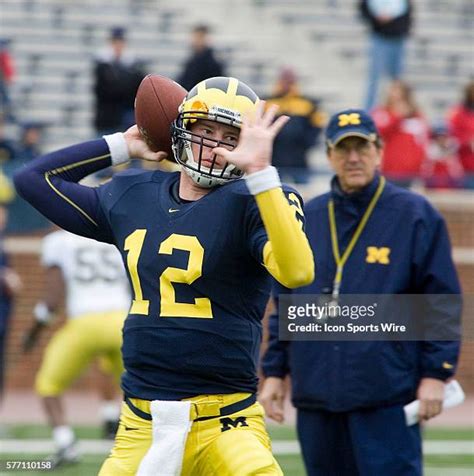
{"x": 254, "y": 149}
{"x": 431, "y": 394}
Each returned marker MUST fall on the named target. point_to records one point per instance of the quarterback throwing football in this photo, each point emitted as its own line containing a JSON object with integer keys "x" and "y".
{"x": 200, "y": 247}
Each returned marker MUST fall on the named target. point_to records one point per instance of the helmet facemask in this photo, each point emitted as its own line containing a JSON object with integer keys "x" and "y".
{"x": 219, "y": 100}
{"x": 203, "y": 175}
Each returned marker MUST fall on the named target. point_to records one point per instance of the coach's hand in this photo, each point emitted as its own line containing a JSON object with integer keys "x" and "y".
{"x": 431, "y": 394}
{"x": 272, "y": 397}
{"x": 138, "y": 148}
{"x": 254, "y": 149}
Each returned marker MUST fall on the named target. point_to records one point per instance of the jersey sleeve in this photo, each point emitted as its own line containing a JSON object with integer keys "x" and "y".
{"x": 277, "y": 238}
{"x": 50, "y": 184}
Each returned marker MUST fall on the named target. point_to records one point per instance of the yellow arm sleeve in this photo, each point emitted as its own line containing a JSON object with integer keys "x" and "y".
{"x": 287, "y": 254}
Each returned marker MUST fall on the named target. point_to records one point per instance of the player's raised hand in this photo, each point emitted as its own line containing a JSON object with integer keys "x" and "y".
{"x": 138, "y": 148}
{"x": 272, "y": 397}
{"x": 254, "y": 149}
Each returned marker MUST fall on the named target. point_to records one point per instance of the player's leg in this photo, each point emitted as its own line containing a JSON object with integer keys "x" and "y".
{"x": 132, "y": 441}
{"x": 384, "y": 444}
{"x": 53, "y": 407}
{"x": 66, "y": 355}
{"x": 237, "y": 445}
{"x": 325, "y": 445}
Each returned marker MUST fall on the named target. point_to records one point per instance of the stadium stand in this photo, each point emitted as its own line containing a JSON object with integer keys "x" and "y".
{"x": 54, "y": 43}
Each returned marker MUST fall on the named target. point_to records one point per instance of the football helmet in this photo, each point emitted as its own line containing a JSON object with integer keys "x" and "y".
{"x": 220, "y": 99}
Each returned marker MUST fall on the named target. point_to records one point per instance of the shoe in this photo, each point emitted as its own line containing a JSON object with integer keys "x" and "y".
{"x": 65, "y": 456}
{"x": 109, "y": 429}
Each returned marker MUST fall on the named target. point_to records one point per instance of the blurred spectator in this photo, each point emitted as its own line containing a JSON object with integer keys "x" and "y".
{"x": 461, "y": 126}
{"x": 7, "y": 73}
{"x": 202, "y": 63}
{"x": 442, "y": 168}
{"x": 117, "y": 75}
{"x": 30, "y": 140}
{"x": 10, "y": 284}
{"x": 390, "y": 22}
{"x": 22, "y": 217}
{"x": 405, "y": 133}
{"x": 7, "y": 190}
{"x": 7, "y": 146}
{"x": 291, "y": 146}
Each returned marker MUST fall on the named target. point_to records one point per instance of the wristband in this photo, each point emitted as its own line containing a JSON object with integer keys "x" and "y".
{"x": 118, "y": 148}
{"x": 263, "y": 180}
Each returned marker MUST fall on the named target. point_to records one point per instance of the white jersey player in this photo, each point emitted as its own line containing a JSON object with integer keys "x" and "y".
{"x": 93, "y": 273}
{"x": 90, "y": 277}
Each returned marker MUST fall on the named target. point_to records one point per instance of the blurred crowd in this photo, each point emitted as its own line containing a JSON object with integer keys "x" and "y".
{"x": 435, "y": 152}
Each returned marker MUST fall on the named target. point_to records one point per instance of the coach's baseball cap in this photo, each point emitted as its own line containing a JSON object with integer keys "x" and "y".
{"x": 350, "y": 122}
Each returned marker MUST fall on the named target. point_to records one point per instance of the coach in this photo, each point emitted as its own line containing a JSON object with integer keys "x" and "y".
{"x": 368, "y": 236}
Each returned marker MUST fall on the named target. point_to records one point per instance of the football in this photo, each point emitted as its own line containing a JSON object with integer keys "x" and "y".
{"x": 156, "y": 107}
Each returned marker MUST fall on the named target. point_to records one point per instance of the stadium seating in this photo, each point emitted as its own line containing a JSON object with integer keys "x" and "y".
{"x": 54, "y": 43}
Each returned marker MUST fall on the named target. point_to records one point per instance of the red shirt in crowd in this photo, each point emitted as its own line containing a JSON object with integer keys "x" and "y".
{"x": 461, "y": 126}
{"x": 7, "y": 70}
{"x": 405, "y": 142}
{"x": 442, "y": 168}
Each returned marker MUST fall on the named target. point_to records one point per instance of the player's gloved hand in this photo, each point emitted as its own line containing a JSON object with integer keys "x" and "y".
{"x": 254, "y": 149}
{"x": 430, "y": 393}
{"x": 138, "y": 148}
{"x": 272, "y": 397}
{"x": 43, "y": 317}
{"x": 31, "y": 337}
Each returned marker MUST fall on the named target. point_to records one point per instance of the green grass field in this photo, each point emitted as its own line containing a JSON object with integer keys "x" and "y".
{"x": 435, "y": 464}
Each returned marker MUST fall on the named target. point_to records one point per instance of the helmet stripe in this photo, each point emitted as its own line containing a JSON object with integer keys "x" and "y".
{"x": 201, "y": 87}
{"x": 233, "y": 85}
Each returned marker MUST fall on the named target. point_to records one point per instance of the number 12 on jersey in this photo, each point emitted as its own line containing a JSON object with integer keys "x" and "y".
{"x": 201, "y": 308}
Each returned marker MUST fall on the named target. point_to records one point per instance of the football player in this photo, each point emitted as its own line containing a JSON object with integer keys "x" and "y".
{"x": 91, "y": 277}
{"x": 200, "y": 247}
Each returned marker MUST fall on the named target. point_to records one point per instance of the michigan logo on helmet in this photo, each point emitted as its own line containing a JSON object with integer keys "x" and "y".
{"x": 223, "y": 100}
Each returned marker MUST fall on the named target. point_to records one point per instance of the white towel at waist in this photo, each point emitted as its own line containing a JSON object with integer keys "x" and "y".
{"x": 171, "y": 425}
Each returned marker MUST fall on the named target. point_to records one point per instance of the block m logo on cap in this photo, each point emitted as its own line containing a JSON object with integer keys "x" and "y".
{"x": 352, "y": 119}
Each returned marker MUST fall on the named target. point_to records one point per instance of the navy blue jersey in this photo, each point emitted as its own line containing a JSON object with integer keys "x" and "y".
{"x": 195, "y": 269}
{"x": 195, "y": 326}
